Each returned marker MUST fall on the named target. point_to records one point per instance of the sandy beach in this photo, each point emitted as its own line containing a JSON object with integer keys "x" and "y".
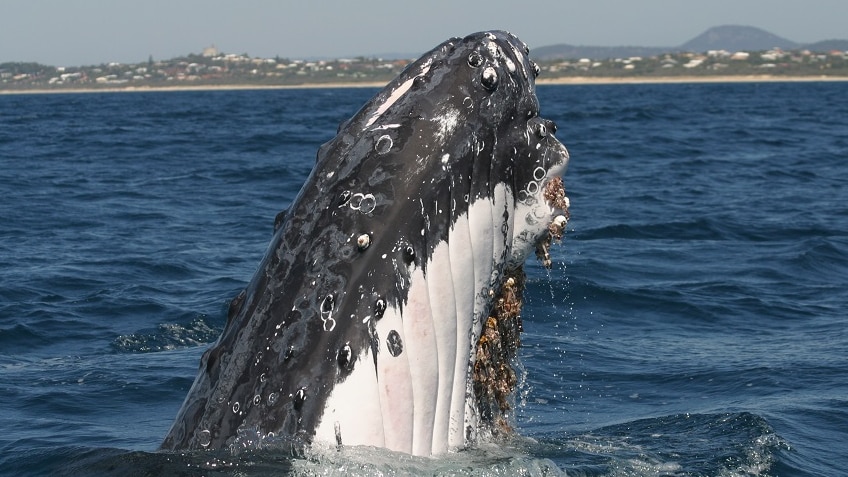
{"x": 190, "y": 87}
{"x": 577, "y": 80}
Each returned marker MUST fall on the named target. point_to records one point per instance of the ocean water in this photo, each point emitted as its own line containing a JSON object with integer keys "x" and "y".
{"x": 694, "y": 322}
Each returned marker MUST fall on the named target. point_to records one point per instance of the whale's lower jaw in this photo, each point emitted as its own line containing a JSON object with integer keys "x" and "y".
{"x": 419, "y": 396}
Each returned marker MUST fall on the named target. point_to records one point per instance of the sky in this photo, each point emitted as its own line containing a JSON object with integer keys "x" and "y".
{"x": 90, "y": 32}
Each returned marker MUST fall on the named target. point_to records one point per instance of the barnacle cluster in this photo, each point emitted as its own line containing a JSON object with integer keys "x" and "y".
{"x": 493, "y": 374}
{"x": 555, "y": 196}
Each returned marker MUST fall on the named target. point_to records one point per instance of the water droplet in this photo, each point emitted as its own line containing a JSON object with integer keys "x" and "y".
{"x": 384, "y": 144}
{"x": 204, "y": 438}
{"x": 394, "y": 343}
{"x": 236, "y": 407}
{"x": 369, "y": 202}
{"x": 379, "y": 308}
{"x": 356, "y": 200}
{"x": 272, "y": 398}
{"x": 257, "y": 399}
{"x": 363, "y": 241}
{"x": 522, "y": 195}
{"x": 289, "y": 353}
{"x": 489, "y": 78}
{"x": 475, "y": 59}
{"x": 539, "y": 173}
{"x": 327, "y": 305}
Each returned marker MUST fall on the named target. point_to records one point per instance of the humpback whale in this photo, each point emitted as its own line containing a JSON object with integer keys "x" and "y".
{"x": 373, "y": 316}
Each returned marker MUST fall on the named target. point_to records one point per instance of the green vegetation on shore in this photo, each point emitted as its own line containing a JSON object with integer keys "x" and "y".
{"x": 776, "y": 62}
{"x": 216, "y": 69}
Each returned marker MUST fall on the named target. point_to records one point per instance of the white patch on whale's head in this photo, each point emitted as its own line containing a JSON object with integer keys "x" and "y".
{"x": 447, "y": 120}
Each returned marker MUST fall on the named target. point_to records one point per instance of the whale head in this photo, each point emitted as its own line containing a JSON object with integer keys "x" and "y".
{"x": 363, "y": 321}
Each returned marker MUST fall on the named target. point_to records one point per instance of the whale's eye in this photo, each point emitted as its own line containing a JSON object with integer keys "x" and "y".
{"x": 489, "y": 78}
{"x": 475, "y": 59}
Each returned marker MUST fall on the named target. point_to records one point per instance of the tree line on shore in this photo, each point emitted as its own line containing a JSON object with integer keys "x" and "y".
{"x": 228, "y": 69}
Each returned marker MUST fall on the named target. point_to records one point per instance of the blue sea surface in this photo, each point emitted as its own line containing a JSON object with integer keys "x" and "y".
{"x": 694, "y": 322}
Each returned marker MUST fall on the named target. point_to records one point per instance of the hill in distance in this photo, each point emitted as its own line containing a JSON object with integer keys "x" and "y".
{"x": 737, "y": 38}
{"x": 727, "y": 37}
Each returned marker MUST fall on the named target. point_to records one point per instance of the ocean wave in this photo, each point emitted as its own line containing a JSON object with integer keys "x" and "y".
{"x": 167, "y": 336}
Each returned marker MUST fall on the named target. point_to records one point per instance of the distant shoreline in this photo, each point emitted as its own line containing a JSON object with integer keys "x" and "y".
{"x": 586, "y": 80}
{"x": 577, "y": 80}
{"x": 189, "y": 87}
